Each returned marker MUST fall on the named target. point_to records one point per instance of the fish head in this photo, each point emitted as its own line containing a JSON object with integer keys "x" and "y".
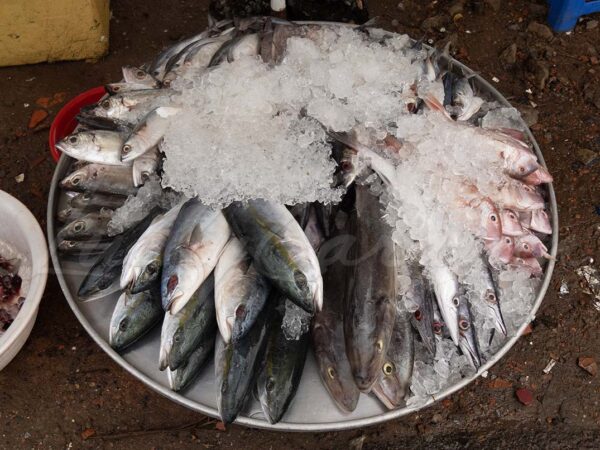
{"x": 490, "y": 220}
{"x": 491, "y": 300}
{"x": 520, "y": 162}
{"x": 501, "y": 250}
{"x": 335, "y": 373}
{"x": 65, "y": 214}
{"x": 540, "y": 221}
{"x": 76, "y": 179}
{"x": 467, "y": 342}
{"x": 389, "y": 388}
{"x": 530, "y": 246}
{"x": 450, "y": 310}
{"x": 510, "y": 223}
{"x": 181, "y": 279}
{"x": 425, "y": 327}
{"x": 133, "y": 74}
{"x": 530, "y": 265}
{"x": 349, "y": 166}
{"x": 132, "y": 148}
{"x": 121, "y": 329}
{"x": 145, "y": 276}
{"x": 75, "y": 229}
{"x": 77, "y": 145}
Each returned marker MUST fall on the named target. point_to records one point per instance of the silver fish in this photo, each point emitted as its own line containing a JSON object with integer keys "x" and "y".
{"x": 465, "y": 100}
{"x": 89, "y": 201}
{"x": 182, "y": 377}
{"x": 101, "y": 178}
{"x": 135, "y": 75}
{"x": 148, "y": 133}
{"x": 420, "y": 294}
{"x": 145, "y": 165}
{"x": 93, "y": 224}
{"x": 98, "y": 146}
{"x": 193, "y": 248}
{"x": 491, "y": 297}
{"x": 82, "y": 248}
{"x": 467, "y": 340}
{"x": 130, "y": 107}
{"x": 446, "y": 290}
{"x": 69, "y": 214}
{"x": 119, "y": 88}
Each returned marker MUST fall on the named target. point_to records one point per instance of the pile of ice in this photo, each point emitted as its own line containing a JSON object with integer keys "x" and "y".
{"x": 252, "y": 130}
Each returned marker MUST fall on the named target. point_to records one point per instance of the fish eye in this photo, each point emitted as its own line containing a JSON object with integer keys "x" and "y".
{"x": 456, "y": 301}
{"x": 521, "y": 169}
{"x": 73, "y": 139}
{"x": 346, "y": 166}
{"x": 116, "y": 88}
{"x": 151, "y": 269}
{"x": 493, "y": 217}
{"x": 437, "y": 328}
{"x": 177, "y": 338}
{"x": 76, "y": 180}
{"x": 166, "y": 82}
{"x": 388, "y": 368}
{"x": 418, "y": 314}
{"x": 123, "y": 324}
{"x": 70, "y": 244}
{"x": 512, "y": 216}
{"x": 379, "y": 345}
{"x": 331, "y": 372}
{"x": 525, "y": 246}
{"x": 463, "y": 325}
{"x": 145, "y": 176}
{"x": 105, "y": 104}
{"x": 140, "y": 74}
{"x": 87, "y": 195}
{"x": 270, "y": 384}
{"x": 79, "y": 226}
{"x": 491, "y": 297}
{"x": 508, "y": 240}
{"x": 126, "y": 148}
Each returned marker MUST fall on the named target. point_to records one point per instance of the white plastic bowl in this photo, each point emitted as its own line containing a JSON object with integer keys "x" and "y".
{"x": 21, "y": 230}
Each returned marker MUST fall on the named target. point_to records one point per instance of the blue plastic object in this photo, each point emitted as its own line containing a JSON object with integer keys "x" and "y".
{"x": 563, "y": 14}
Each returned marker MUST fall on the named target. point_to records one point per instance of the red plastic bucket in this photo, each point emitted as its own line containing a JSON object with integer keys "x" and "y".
{"x": 65, "y": 121}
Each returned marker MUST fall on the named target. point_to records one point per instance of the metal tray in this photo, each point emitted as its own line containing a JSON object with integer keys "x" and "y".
{"x": 141, "y": 360}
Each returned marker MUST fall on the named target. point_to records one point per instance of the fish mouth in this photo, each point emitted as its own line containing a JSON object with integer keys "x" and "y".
{"x": 499, "y": 322}
{"x": 163, "y": 358}
{"x": 470, "y": 352}
{"x": 390, "y": 401}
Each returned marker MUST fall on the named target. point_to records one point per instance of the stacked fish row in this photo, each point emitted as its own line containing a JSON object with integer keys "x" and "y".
{"x": 239, "y": 276}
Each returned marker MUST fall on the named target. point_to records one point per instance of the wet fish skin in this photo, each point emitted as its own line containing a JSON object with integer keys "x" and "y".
{"x": 136, "y": 75}
{"x": 422, "y": 319}
{"x": 393, "y": 384}
{"x": 369, "y": 313}
{"x": 491, "y": 297}
{"x": 145, "y": 165}
{"x": 82, "y": 248}
{"x": 282, "y": 365}
{"x": 530, "y": 246}
{"x": 142, "y": 264}
{"x": 188, "y": 329}
{"x": 445, "y": 286}
{"x": 510, "y": 223}
{"x": 108, "y": 266}
{"x": 240, "y": 292}
{"x": 118, "y": 88}
{"x": 69, "y": 214}
{"x": 100, "y": 178}
{"x": 501, "y": 250}
{"x": 235, "y": 368}
{"x": 147, "y": 133}
{"x": 467, "y": 338}
{"x": 134, "y": 315}
{"x": 193, "y": 248}
{"x": 98, "y": 146}
{"x": 280, "y": 250}
{"x": 89, "y": 201}
{"x": 182, "y": 378}
{"x": 129, "y": 107}
{"x": 94, "y": 224}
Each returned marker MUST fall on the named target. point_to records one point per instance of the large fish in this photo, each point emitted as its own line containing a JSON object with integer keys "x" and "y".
{"x": 134, "y": 315}
{"x": 107, "y": 268}
{"x": 193, "y": 248}
{"x": 393, "y": 383}
{"x": 184, "y": 331}
{"x": 240, "y": 292}
{"x": 101, "y": 178}
{"x": 280, "y": 250}
{"x": 129, "y": 107}
{"x": 181, "y": 378}
{"x": 235, "y": 367}
{"x": 282, "y": 366}
{"x": 143, "y": 263}
{"x": 445, "y": 285}
{"x": 97, "y": 146}
{"x": 94, "y": 224}
{"x": 370, "y": 309}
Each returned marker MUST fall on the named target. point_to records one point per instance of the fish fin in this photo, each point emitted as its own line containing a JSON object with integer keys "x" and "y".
{"x": 435, "y": 105}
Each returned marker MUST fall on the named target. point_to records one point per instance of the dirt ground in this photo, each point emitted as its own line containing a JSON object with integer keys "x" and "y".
{"x": 62, "y": 391}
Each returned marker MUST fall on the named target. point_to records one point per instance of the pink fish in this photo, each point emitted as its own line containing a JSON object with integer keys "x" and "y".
{"x": 520, "y": 197}
{"x": 530, "y": 246}
{"x": 536, "y": 220}
{"x": 537, "y": 177}
{"x": 531, "y": 265}
{"x": 501, "y": 250}
{"x": 510, "y": 223}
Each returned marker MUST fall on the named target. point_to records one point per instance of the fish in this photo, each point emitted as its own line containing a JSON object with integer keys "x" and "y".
{"x": 530, "y": 246}
{"x": 134, "y": 315}
{"x": 467, "y": 341}
{"x": 136, "y": 75}
{"x": 314, "y": 228}
{"x": 537, "y": 177}
{"x": 240, "y": 292}
{"x": 370, "y": 308}
{"x": 532, "y": 265}
{"x": 510, "y": 223}
{"x": 69, "y": 214}
{"x": 484, "y": 218}
{"x": 158, "y": 67}
{"x": 445, "y": 286}
{"x": 90, "y": 201}
{"x": 107, "y": 269}
{"x": 193, "y": 248}
{"x": 491, "y": 297}
{"x": 182, "y": 377}
{"x": 536, "y": 220}
{"x": 94, "y": 224}
{"x": 393, "y": 384}
{"x": 280, "y": 250}
{"x": 520, "y": 197}
{"x": 465, "y": 102}
{"x": 236, "y": 364}
{"x": 143, "y": 263}
{"x": 281, "y": 369}
{"x": 98, "y": 146}
{"x": 235, "y": 48}
{"x": 101, "y": 178}
{"x": 421, "y": 295}
{"x": 440, "y": 330}
{"x": 82, "y": 248}
{"x": 145, "y": 165}
{"x": 129, "y": 108}
{"x": 501, "y": 250}
{"x": 184, "y": 331}
{"x": 118, "y": 88}
{"x": 148, "y": 133}
{"x": 327, "y": 332}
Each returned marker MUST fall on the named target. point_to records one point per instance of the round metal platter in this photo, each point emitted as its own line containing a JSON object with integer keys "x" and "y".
{"x": 312, "y": 408}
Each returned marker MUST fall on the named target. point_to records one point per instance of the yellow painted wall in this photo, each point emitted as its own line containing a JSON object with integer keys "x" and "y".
{"x": 33, "y": 31}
